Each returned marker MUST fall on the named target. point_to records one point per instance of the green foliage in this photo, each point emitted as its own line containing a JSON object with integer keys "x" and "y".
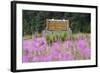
{"x": 54, "y": 35}
{"x": 35, "y": 21}
{"x": 80, "y": 22}
{"x": 63, "y": 36}
{"x": 50, "y": 38}
{"x": 74, "y": 37}
{"x": 26, "y": 28}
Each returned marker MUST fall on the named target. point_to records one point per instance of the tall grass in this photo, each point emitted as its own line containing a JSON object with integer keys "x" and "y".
{"x": 63, "y": 36}
{"x": 50, "y": 38}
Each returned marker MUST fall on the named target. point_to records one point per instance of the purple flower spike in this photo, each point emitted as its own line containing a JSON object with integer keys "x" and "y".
{"x": 81, "y": 44}
{"x": 25, "y": 59}
{"x": 47, "y": 58}
{"x": 68, "y": 44}
{"x": 67, "y": 57}
{"x": 86, "y": 52}
{"x": 39, "y": 44}
{"x": 35, "y": 59}
{"x": 56, "y": 45}
{"x": 56, "y": 54}
{"x": 35, "y": 43}
{"x": 27, "y": 44}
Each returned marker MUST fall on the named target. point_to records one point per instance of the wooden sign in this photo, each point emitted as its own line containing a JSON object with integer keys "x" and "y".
{"x": 54, "y": 25}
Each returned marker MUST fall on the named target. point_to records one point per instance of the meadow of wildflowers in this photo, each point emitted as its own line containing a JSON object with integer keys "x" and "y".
{"x": 40, "y": 49}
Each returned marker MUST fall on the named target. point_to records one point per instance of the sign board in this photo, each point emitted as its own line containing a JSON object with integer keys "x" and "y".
{"x": 54, "y": 25}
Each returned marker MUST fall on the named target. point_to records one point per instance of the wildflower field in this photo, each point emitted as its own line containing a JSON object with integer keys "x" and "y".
{"x": 56, "y": 48}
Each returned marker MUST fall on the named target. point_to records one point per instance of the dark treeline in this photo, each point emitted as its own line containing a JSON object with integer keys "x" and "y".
{"x": 36, "y": 21}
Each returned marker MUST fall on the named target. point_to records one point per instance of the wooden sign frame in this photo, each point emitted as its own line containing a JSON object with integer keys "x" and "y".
{"x": 58, "y": 25}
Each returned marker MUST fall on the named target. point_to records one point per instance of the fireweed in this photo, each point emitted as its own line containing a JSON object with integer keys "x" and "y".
{"x": 38, "y": 50}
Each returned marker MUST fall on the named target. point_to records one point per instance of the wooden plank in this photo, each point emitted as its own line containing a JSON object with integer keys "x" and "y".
{"x": 57, "y": 25}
